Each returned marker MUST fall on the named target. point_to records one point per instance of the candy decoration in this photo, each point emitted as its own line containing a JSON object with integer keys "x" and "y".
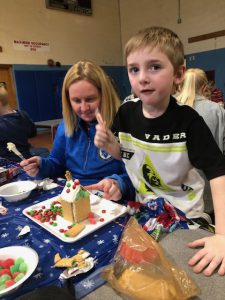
{"x": 19, "y": 276}
{"x": 47, "y": 215}
{"x": 23, "y": 267}
{"x": 4, "y": 278}
{"x": 5, "y": 271}
{"x": 12, "y": 271}
{"x": 76, "y": 182}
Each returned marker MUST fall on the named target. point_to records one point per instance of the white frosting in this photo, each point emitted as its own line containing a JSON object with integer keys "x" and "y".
{"x": 11, "y": 146}
{"x": 71, "y": 196}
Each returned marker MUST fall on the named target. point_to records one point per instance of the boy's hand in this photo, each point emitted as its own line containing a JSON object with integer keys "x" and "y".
{"x": 31, "y": 165}
{"x": 110, "y": 188}
{"x": 104, "y": 138}
{"x": 211, "y": 256}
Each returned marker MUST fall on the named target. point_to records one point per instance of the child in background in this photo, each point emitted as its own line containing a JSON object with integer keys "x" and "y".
{"x": 86, "y": 88}
{"x": 195, "y": 92}
{"x": 16, "y": 127}
{"x": 163, "y": 143}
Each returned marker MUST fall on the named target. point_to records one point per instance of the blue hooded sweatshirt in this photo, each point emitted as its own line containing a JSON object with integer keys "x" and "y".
{"x": 84, "y": 160}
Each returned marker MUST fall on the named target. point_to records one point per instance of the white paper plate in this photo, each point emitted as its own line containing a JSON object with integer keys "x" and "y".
{"x": 18, "y": 190}
{"x": 30, "y": 257}
{"x": 102, "y": 209}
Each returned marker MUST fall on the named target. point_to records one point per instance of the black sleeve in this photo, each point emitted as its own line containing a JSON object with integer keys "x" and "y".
{"x": 115, "y": 126}
{"x": 203, "y": 151}
{"x": 3, "y": 130}
{"x": 30, "y": 124}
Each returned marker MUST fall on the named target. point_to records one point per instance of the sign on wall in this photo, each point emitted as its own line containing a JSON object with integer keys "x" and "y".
{"x": 75, "y": 6}
{"x": 23, "y": 45}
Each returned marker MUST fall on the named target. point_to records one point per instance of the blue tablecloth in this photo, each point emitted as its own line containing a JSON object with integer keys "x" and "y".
{"x": 101, "y": 244}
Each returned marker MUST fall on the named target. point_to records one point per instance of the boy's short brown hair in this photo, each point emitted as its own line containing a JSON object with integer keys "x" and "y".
{"x": 165, "y": 39}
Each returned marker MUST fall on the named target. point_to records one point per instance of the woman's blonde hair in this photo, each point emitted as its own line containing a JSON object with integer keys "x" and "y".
{"x": 165, "y": 39}
{"x": 195, "y": 83}
{"x": 91, "y": 72}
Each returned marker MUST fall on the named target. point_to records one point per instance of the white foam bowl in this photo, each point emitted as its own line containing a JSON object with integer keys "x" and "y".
{"x": 30, "y": 257}
{"x": 18, "y": 190}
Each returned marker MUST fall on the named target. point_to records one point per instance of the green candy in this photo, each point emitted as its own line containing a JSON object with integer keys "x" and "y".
{"x": 23, "y": 267}
{"x": 4, "y": 278}
{"x": 14, "y": 268}
{"x": 19, "y": 277}
{"x": 2, "y": 287}
{"x": 18, "y": 261}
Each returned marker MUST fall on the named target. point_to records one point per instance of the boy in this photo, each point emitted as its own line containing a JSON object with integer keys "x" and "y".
{"x": 162, "y": 144}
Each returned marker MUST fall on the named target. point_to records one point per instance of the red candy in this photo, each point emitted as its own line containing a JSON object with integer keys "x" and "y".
{"x": 47, "y": 215}
{"x": 92, "y": 221}
{"x": 91, "y": 215}
{"x": 7, "y": 263}
{"x": 9, "y": 282}
{"x": 8, "y": 266}
{"x": 15, "y": 274}
{"x": 5, "y": 271}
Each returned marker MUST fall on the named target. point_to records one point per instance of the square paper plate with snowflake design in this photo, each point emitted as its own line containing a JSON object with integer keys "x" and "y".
{"x": 103, "y": 211}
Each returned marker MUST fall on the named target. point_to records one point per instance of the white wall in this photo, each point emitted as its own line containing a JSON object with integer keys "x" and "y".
{"x": 99, "y": 37}
{"x": 198, "y": 17}
{"x": 71, "y": 36}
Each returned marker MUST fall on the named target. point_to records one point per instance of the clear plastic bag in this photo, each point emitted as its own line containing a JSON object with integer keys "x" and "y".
{"x": 142, "y": 271}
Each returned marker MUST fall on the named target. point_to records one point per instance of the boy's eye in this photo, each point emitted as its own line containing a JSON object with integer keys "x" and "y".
{"x": 155, "y": 67}
{"x": 133, "y": 70}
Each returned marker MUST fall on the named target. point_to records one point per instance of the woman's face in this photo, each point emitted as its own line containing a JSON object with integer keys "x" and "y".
{"x": 85, "y": 99}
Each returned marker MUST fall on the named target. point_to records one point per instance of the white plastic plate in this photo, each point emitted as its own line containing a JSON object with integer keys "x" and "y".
{"x": 104, "y": 211}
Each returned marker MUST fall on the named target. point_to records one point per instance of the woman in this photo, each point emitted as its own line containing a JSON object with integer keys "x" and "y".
{"x": 86, "y": 90}
{"x": 194, "y": 92}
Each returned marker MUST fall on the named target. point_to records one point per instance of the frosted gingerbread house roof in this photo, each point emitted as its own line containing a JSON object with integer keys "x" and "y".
{"x": 73, "y": 190}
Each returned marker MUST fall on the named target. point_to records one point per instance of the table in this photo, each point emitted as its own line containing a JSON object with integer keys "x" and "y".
{"x": 52, "y": 124}
{"x": 102, "y": 245}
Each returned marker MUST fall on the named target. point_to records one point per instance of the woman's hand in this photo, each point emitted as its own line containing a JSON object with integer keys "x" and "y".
{"x": 110, "y": 188}
{"x": 31, "y": 165}
{"x": 211, "y": 256}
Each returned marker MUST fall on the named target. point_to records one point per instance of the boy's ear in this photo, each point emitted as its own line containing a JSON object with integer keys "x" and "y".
{"x": 179, "y": 75}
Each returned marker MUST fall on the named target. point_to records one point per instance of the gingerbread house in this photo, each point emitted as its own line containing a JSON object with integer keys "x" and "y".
{"x": 75, "y": 201}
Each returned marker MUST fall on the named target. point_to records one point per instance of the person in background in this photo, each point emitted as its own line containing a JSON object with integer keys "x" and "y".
{"x": 216, "y": 94}
{"x": 194, "y": 92}
{"x": 86, "y": 89}
{"x": 15, "y": 127}
{"x": 132, "y": 96}
{"x": 169, "y": 142}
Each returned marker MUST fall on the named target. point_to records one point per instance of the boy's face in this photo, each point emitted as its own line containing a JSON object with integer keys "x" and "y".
{"x": 152, "y": 76}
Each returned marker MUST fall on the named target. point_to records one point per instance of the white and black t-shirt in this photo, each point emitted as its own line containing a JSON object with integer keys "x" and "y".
{"x": 162, "y": 154}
